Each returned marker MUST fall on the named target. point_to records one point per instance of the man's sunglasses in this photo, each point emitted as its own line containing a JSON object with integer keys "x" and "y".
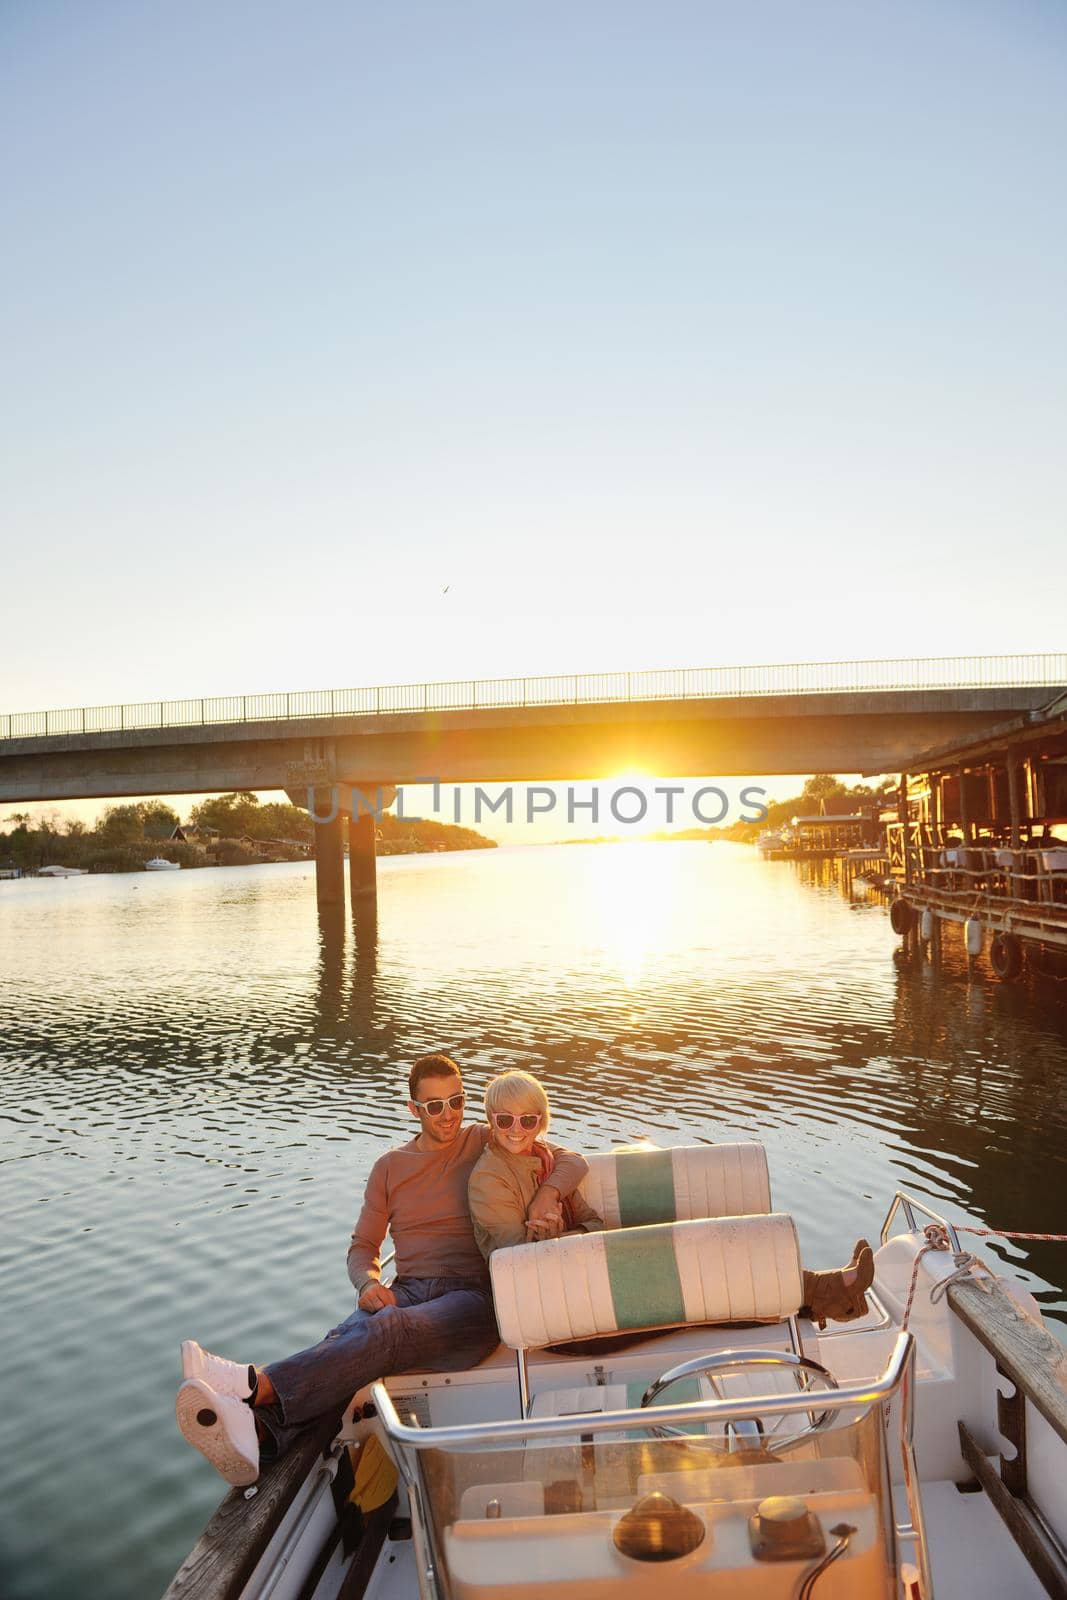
{"x": 527, "y": 1120}
{"x": 434, "y": 1108}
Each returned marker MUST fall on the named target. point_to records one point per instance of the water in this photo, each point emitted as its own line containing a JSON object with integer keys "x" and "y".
{"x": 197, "y": 1076}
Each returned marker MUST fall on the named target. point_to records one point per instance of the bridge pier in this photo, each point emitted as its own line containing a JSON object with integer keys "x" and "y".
{"x": 362, "y": 860}
{"x": 330, "y": 861}
{"x": 328, "y": 806}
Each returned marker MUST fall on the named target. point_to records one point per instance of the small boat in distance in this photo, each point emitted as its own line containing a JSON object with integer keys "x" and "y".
{"x": 63, "y": 872}
{"x": 161, "y": 864}
{"x": 769, "y": 843}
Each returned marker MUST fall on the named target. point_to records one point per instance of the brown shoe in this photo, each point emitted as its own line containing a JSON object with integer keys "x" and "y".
{"x": 827, "y": 1297}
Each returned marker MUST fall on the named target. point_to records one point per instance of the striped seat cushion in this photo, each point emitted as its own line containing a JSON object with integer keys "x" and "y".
{"x": 716, "y": 1269}
{"x": 632, "y": 1188}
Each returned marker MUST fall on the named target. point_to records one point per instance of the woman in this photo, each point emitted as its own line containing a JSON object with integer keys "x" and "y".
{"x": 514, "y": 1164}
{"x": 516, "y": 1161}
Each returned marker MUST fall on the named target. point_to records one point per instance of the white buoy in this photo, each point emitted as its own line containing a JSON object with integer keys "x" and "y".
{"x": 975, "y": 933}
{"x": 926, "y": 926}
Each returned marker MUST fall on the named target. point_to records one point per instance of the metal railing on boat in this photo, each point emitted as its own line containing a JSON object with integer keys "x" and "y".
{"x": 898, "y": 1376}
{"x": 521, "y": 1430}
{"x": 909, "y": 1205}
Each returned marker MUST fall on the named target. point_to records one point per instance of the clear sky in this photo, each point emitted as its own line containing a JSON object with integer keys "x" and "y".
{"x": 348, "y": 344}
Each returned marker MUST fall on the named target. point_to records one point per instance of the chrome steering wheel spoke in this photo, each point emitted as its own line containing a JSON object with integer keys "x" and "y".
{"x": 807, "y": 1375}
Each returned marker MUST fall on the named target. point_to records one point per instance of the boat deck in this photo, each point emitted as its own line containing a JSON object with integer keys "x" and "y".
{"x": 971, "y": 1552}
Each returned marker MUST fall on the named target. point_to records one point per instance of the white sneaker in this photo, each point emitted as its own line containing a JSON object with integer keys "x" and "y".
{"x": 225, "y": 1377}
{"x": 222, "y": 1428}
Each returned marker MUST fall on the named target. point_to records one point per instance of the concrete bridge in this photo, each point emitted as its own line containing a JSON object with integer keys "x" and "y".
{"x": 325, "y": 748}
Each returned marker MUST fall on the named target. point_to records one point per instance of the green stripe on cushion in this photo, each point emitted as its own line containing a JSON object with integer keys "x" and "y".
{"x": 646, "y": 1187}
{"x": 646, "y": 1291}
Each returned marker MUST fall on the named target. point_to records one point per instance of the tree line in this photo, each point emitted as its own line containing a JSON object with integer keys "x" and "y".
{"x": 225, "y": 830}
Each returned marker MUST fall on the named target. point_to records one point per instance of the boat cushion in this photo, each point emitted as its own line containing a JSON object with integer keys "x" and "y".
{"x": 715, "y": 1269}
{"x": 632, "y": 1188}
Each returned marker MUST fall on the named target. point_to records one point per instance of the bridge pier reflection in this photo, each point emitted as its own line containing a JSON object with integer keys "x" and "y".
{"x": 351, "y": 1014}
{"x": 331, "y": 963}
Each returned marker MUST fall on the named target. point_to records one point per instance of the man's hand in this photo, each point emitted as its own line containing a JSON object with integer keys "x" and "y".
{"x": 544, "y": 1215}
{"x": 375, "y": 1297}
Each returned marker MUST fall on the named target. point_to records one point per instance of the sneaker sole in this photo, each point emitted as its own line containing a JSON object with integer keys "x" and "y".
{"x": 194, "y": 1396}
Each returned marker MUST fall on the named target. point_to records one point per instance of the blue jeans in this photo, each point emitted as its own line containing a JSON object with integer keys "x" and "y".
{"x": 437, "y": 1325}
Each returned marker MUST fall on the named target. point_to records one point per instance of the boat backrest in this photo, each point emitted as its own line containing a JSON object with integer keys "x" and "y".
{"x": 634, "y": 1188}
{"x": 721, "y": 1269}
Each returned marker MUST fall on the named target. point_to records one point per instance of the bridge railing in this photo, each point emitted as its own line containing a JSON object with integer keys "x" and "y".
{"x": 804, "y": 677}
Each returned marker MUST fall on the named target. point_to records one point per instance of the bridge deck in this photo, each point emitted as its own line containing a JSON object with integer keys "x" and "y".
{"x": 692, "y": 683}
{"x": 866, "y": 731}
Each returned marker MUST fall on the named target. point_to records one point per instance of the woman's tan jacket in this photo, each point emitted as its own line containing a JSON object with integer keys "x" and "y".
{"x": 501, "y": 1187}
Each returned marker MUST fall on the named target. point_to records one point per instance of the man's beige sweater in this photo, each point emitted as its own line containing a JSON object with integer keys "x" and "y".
{"x": 420, "y": 1197}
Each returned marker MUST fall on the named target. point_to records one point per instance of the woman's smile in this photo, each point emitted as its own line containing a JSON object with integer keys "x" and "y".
{"x": 516, "y": 1140}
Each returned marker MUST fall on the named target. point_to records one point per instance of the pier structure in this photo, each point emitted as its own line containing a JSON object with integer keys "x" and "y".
{"x": 833, "y": 830}
{"x": 334, "y": 751}
{"x": 337, "y": 808}
{"x": 981, "y": 839}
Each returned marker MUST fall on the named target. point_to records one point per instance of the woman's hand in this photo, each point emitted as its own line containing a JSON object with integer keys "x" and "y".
{"x": 544, "y": 1215}
{"x": 545, "y": 1228}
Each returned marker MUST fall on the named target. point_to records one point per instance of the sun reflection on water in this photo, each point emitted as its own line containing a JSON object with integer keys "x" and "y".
{"x": 639, "y": 905}
{"x": 632, "y": 898}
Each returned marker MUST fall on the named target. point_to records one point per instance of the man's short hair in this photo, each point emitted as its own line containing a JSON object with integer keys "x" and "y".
{"x": 436, "y": 1066}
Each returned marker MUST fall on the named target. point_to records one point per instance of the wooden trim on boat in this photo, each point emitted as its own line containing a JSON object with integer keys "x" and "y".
{"x": 1023, "y": 1524}
{"x": 225, "y": 1555}
{"x": 1036, "y": 1364}
{"x": 1027, "y": 1353}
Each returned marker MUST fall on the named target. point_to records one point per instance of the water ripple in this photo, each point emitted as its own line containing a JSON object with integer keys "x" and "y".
{"x": 197, "y": 1076}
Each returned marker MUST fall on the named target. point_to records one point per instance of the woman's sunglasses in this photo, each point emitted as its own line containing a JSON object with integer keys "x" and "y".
{"x": 434, "y": 1108}
{"x": 527, "y": 1120}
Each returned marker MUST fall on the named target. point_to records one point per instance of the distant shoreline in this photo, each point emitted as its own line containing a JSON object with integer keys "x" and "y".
{"x": 235, "y": 832}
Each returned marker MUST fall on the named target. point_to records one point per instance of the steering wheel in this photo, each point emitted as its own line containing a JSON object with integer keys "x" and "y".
{"x": 807, "y": 1374}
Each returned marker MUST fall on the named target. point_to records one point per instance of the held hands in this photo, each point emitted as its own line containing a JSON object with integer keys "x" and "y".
{"x": 375, "y": 1297}
{"x": 544, "y": 1215}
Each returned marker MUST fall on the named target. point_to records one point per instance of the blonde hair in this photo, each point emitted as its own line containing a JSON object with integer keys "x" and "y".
{"x": 517, "y": 1091}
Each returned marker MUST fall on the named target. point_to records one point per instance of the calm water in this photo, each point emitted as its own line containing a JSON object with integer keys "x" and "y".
{"x": 197, "y": 1077}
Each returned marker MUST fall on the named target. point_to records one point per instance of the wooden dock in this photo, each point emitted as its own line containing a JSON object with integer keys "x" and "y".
{"x": 981, "y": 839}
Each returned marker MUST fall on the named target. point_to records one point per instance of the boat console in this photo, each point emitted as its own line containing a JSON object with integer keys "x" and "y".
{"x": 745, "y": 1467}
{"x": 769, "y": 1477}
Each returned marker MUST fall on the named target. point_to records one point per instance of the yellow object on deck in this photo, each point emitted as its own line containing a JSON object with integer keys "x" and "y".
{"x": 375, "y": 1475}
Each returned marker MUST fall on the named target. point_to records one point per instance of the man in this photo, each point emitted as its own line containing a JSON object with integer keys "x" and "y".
{"x": 436, "y": 1316}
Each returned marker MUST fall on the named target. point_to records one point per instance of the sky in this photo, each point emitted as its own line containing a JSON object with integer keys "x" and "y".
{"x": 349, "y": 344}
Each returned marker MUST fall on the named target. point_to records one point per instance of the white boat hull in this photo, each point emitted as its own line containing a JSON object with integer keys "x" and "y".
{"x": 533, "y": 1555}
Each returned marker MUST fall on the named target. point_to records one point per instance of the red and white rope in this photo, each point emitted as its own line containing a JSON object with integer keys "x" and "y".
{"x": 936, "y": 1236}
{"x": 1002, "y": 1233}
